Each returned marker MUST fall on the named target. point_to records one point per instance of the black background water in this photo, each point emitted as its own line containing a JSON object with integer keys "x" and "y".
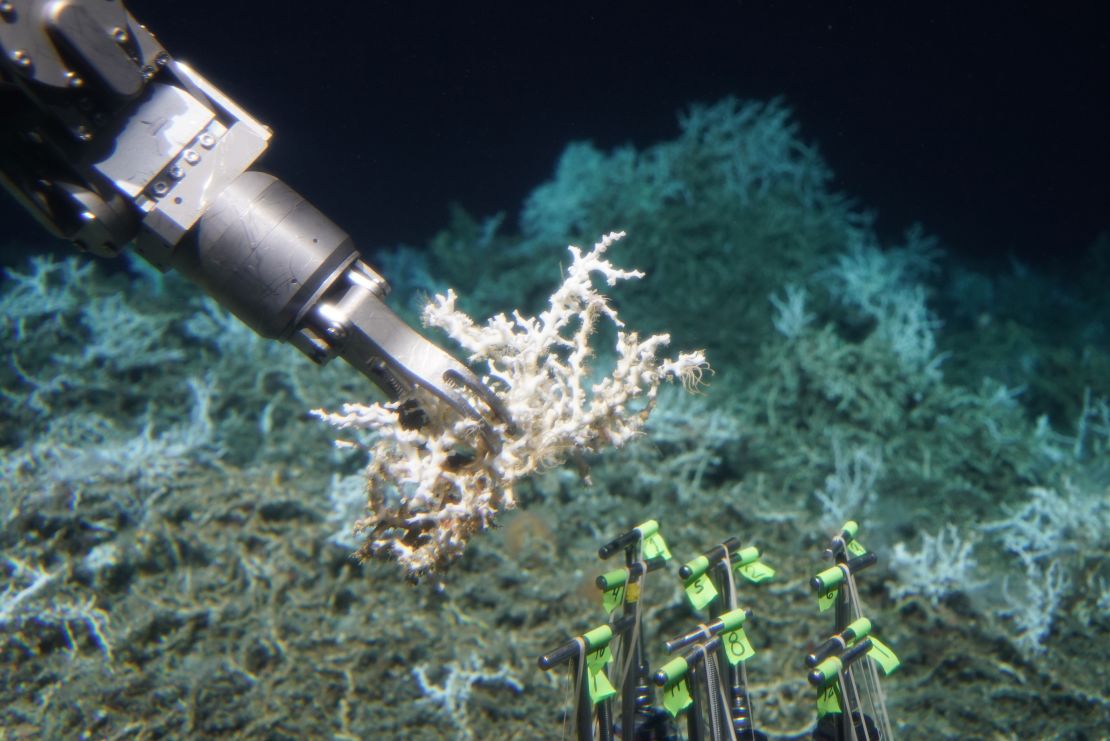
{"x": 987, "y": 123}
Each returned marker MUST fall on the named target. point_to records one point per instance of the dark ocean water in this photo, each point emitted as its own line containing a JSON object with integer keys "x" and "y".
{"x": 963, "y": 118}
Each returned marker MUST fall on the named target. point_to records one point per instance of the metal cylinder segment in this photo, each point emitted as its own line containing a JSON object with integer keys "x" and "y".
{"x": 265, "y": 253}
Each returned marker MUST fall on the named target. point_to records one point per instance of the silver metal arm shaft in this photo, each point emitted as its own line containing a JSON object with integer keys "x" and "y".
{"x": 109, "y": 141}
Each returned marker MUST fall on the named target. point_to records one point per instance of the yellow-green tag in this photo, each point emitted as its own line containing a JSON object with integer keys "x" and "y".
{"x": 701, "y": 592}
{"x": 756, "y": 572}
{"x": 601, "y": 689}
{"x": 600, "y": 686}
{"x": 827, "y": 599}
{"x": 881, "y": 654}
{"x": 632, "y": 596}
{"x": 655, "y": 547}
{"x": 737, "y": 646}
{"x": 597, "y": 660}
{"x": 828, "y": 700}
{"x": 613, "y": 598}
{"x": 676, "y": 697}
{"x": 856, "y": 548}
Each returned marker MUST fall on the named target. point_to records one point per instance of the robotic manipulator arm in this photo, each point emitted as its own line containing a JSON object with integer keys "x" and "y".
{"x": 109, "y": 141}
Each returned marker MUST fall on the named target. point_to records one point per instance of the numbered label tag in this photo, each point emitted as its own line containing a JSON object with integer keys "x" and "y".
{"x": 613, "y": 598}
{"x": 599, "y": 659}
{"x": 701, "y": 592}
{"x": 756, "y": 572}
{"x": 828, "y": 700}
{"x": 881, "y": 654}
{"x": 676, "y": 697}
{"x": 827, "y": 599}
{"x": 600, "y": 687}
{"x": 655, "y": 547}
{"x": 856, "y": 548}
{"x": 737, "y": 646}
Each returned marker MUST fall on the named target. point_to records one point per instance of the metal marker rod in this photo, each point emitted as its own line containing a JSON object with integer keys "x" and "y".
{"x": 714, "y": 554}
{"x": 837, "y": 644}
{"x": 726, "y": 622}
{"x": 631, "y": 573}
{"x": 619, "y": 543}
{"x": 839, "y": 542}
{"x": 569, "y": 650}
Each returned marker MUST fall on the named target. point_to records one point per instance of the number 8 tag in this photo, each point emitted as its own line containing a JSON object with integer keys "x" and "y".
{"x": 737, "y": 646}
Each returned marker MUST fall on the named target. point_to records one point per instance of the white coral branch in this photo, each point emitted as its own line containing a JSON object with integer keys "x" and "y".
{"x": 425, "y": 504}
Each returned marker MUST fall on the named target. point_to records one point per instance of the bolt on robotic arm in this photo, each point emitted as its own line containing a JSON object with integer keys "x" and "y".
{"x": 109, "y": 141}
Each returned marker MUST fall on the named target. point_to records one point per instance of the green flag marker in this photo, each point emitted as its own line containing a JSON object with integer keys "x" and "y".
{"x": 827, "y": 671}
{"x": 612, "y": 584}
{"x": 828, "y": 585}
{"x": 737, "y": 646}
{"x": 653, "y": 545}
{"x": 676, "y": 696}
{"x": 599, "y": 685}
{"x": 859, "y": 628}
{"x": 656, "y": 547}
{"x": 676, "y": 686}
{"x": 733, "y": 619}
{"x": 881, "y": 654}
{"x": 597, "y": 660}
{"x": 745, "y": 556}
{"x": 597, "y": 638}
{"x": 700, "y": 592}
{"x": 614, "y": 578}
{"x": 830, "y": 578}
{"x": 674, "y": 670}
{"x": 756, "y": 572}
{"x": 698, "y": 566}
{"x": 748, "y": 565}
{"x": 601, "y": 689}
{"x": 828, "y": 700}
{"x": 613, "y": 598}
{"x": 849, "y": 533}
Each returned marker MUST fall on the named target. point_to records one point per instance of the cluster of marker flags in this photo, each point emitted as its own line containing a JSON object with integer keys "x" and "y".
{"x": 706, "y": 681}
